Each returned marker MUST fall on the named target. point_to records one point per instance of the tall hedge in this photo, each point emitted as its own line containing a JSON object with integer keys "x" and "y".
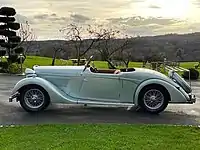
{"x": 9, "y": 43}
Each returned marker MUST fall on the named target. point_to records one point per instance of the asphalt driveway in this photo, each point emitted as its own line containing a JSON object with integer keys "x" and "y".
{"x": 12, "y": 113}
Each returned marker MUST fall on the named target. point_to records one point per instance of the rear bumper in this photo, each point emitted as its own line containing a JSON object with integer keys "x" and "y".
{"x": 13, "y": 96}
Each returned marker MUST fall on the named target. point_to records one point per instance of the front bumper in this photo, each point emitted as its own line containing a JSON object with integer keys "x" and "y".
{"x": 13, "y": 96}
{"x": 192, "y": 99}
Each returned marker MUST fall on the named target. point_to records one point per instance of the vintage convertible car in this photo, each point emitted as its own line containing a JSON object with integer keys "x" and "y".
{"x": 147, "y": 89}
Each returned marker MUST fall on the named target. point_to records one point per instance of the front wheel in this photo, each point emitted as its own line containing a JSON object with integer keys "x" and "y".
{"x": 34, "y": 99}
{"x": 153, "y": 99}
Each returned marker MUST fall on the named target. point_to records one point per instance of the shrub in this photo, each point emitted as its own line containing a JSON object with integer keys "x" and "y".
{"x": 194, "y": 74}
{"x": 2, "y": 52}
{"x": 14, "y": 26}
{"x": 7, "y": 19}
{"x": 2, "y": 41}
{"x": 12, "y": 58}
{"x": 8, "y": 45}
{"x": 3, "y": 67}
{"x": 7, "y": 11}
{"x": 13, "y": 68}
{"x": 3, "y": 27}
{"x": 14, "y": 39}
{"x": 7, "y": 33}
{"x": 19, "y": 50}
{"x": 8, "y": 37}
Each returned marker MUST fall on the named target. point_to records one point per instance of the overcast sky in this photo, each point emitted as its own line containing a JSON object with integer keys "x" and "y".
{"x": 139, "y": 17}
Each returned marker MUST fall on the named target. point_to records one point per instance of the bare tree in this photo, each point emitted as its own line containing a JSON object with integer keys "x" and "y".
{"x": 108, "y": 45}
{"x": 179, "y": 56}
{"x": 77, "y": 35}
{"x": 56, "y": 49}
{"x": 27, "y": 36}
{"x": 125, "y": 54}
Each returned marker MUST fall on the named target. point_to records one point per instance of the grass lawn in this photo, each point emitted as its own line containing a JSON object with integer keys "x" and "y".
{"x": 42, "y": 61}
{"x": 100, "y": 136}
{"x": 33, "y": 60}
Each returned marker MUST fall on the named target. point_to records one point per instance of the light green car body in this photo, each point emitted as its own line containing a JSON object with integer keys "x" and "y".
{"x": 72, "y": 85}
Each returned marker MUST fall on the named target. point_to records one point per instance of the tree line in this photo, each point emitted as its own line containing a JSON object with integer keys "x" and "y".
{"x": 108, "y": 44}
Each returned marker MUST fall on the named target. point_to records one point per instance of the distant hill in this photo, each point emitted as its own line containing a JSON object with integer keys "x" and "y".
{"x": 139, "y": 46}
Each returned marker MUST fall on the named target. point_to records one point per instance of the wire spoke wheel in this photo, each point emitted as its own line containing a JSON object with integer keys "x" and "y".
{"x": 153, "y": 99}
{"x": 34, "y": 98}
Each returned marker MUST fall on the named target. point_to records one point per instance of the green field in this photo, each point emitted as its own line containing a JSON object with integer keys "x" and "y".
{"x": 32, "y": 60}
{"x": 100, "y": 136}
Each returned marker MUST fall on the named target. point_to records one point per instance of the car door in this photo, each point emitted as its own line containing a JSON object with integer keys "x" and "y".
{"x": 129, "y": 84}
{"x": 100, "y": 87}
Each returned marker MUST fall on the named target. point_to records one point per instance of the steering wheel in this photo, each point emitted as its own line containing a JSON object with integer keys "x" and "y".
{"x": 86, "y": 65}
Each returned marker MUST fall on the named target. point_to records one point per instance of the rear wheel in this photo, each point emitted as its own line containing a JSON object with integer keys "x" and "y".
{"x": 34, "y": 99}
{"x": 153, "y": 99}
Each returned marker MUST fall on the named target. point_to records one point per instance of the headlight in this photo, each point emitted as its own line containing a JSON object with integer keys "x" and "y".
{"x": 29, "y": 71}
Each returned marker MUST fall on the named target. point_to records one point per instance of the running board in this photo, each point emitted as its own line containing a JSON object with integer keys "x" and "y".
{"x": 106, "y": 103}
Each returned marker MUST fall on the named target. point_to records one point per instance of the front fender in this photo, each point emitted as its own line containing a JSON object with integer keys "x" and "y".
{"x": 177, "y": 94}
{"x": 56, "y": 95}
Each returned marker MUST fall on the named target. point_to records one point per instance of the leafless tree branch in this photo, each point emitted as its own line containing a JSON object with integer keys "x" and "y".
{"x": 27, "y": 35}
{"x": 76, "y": 34}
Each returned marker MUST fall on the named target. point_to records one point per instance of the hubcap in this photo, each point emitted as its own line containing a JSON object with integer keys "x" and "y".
{"x": 34, "y": 98}
{"x": 153, "y": 99}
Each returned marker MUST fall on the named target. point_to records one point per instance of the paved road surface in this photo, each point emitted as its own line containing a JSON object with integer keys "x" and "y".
{"x": 12, "y": 113}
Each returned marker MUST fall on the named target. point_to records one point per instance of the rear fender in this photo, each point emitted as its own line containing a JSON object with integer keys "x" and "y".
{"x": 55, "y": 94}
{"x": 177, "y": 94}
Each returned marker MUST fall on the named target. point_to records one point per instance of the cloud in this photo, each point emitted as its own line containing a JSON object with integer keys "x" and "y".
{"x": 22, "y": 19}
{"x": 194, "y": 27}
{"x": 139, "y": 21}
{"x": 91, "y": 8}
{"x": 56, "y": 19}
{"x": 50, "y": 18}
{"x": 77, "y": 18}
{"x": 53, "y": 15}
{"x": 196, "y": 3}
{"x": 138, "y": 16}
{"x": 147, "y": 26}
{"x": 47, "y": 25}
{"x": 154, "y": 6}
{"x": 41, "y": 16}
{"x": 6, "y": 2}
{"x": 144, "y": 30}
{"x": 136, "y": 25}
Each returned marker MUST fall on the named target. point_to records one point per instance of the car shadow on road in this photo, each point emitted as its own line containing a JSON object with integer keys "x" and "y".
{"x": 61, "y": 114}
